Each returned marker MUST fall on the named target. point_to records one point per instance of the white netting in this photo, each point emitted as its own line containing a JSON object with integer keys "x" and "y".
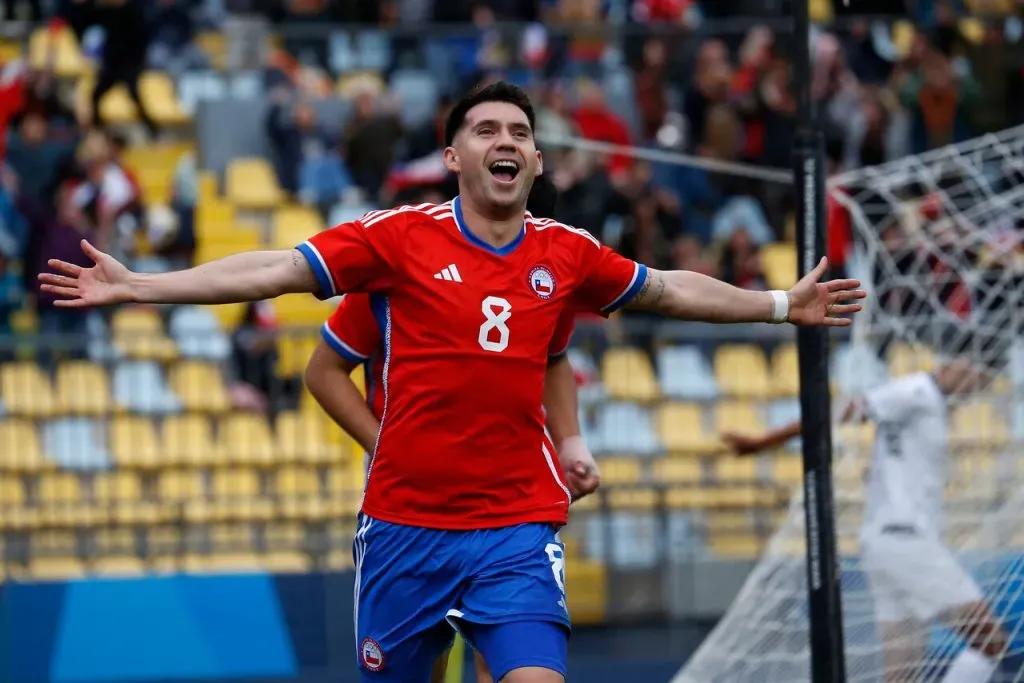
{"x": 938, "y": 243}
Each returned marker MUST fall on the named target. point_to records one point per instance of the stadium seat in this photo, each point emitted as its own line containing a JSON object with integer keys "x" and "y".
{"x": 26, "y": 391}
{"x": 779, "y": 262}
{"x": 116, "y": 566}
{"x": 624, "y": 428}
{"x": 157, "y": 92}
{"x": 83, "y": 389}
{"x": 56, "y": 568}
{"x": 200, "y": 386}
{"x": 906, "y": 359}
{"x": 620, "y": 471}
{"x": 299, "y": 496}
{"x": 346, "y": 213}
{"x": 741, "y": 371}
{"x": 785, "y": 371}
{"x": 587, "y": 600}
{"x": 20, "y": 450}
{"x": 139, "y": 387}
{"x": 685, "y": 373}
{"x": 251, "y": 185}
{"x": 903, "y": 34}
{"x": 345, "y": 486}
{"x": 77, "y": 444}
{"x": 245, "y": 439}
{"x": 738, "y": 416}
{"x": 301, "y": 437}
{"x": 138, "y": 334}
{"x": 736, "y": 546}
{"x": 178, "y": 486}
{"x": 628, "y": 376}
{"x": 732, "y": 468}
{"x": 303, "y": 310}
{"x": 188, "y": 440}
{"x": 821, "y": 12}
{"x": 121, "y": 494}
{"x": 67, "y": 57}
{"x": 293, "y": 352}
{"x": 681, "y": 429}
{"x": 979, "y": 423}
{"x": 197, "y": 332}
{"x": 61, "y": 502}
{"x": 235, "y": 496}
{"x": 678, "y": 471}
{"x": 134, "y": 443}
{"x": 293, "y": 225}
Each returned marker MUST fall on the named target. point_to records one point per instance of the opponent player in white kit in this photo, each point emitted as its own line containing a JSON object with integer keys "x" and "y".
{"x": 914, "y": 578}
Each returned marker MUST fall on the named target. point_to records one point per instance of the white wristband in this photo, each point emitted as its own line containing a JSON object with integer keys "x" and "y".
{"x": 780, "y": 306}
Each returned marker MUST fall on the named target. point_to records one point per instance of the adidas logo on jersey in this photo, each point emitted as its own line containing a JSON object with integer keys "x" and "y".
{"x": 450, "y": 273}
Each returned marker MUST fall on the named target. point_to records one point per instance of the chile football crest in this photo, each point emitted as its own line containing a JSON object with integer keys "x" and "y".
{"x": 542, "y": 282}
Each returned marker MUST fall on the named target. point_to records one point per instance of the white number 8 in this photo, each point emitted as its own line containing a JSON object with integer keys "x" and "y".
{"x": 556, "y": 556}
{"x": 496, "y": 312}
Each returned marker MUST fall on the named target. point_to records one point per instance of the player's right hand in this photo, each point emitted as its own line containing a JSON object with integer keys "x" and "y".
{"x": 742, "y": 444}
{"x": 106, "y": 282}
{"x": 581, "y": 472}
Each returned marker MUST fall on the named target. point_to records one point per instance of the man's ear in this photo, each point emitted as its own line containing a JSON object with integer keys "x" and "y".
{"x": 540, "y": 163}
{"x": 451, "y": 159}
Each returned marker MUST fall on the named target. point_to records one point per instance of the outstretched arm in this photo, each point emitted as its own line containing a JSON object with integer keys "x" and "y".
{"x": 560, "y": 406}
{"x": 685, "y": 295}
{"x": 248, "y": 276}
{"x": 744, "y": 444}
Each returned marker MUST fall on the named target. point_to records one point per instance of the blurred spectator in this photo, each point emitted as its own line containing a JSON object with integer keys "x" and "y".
{"x": 652, "y": 88}
{"x": 36, "y": 158}
{"x": 554, "y": 120}
{"x": 370, "y": 140}
{"x": 596, "y": 121}
{"x": 172, "y": 46}
{"x": 741, "y": 262}
{"x": 108, "y": 196}
{"x": 711, "y": 84}
{"x": 10, "y": 10}
{"x": 939, "y": 101}
{"x": 254, "y": 357}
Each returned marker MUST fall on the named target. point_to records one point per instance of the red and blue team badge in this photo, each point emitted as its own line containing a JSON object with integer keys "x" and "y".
{"x": 371, "y": 654}
{"x": 542, "y": 282}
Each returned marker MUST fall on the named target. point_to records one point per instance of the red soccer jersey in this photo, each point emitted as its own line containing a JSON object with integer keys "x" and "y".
{"x": 353, "y": 334}
{"x": 466, "y": 329}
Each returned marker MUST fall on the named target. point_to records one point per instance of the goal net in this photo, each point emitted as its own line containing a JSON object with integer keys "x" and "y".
{"x": 937, "y": 240}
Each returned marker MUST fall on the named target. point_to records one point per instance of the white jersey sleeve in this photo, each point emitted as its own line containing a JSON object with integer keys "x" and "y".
{"x": 899, "y": 401}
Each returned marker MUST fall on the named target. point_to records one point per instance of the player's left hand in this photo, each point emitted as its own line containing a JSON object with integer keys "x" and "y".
{"x": 822, "y": 303}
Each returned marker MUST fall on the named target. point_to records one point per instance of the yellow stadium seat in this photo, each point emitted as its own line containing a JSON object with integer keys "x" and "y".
{"x": 297, "y": 482}
{"x": 302, "y": 437}
{"x": 26, "y": 391}
{"x": 117, "y": 566}
{"x": 979, "y": 423}
{"x": 207, "y": 188}
{"x": 628, "y": 375}
{"x": 788, "y": 469}
{"x": 741, "y": 371}
{"x": 134, "y": 442}
{"x": 345, "y": 486}
{"x": 340, "y": 559}
{"x": 906, "y": 359}
{"x": 735, "y": 468}
{"x": 216, "y": 220}
{"x": 972, "y": 30}
{"x": 677, "y": 471}
{"x": 779, "y": 262}
{"x": 738, "y": 416}
{"x": 56, "y": 568}
{"x": 293, "y": 352}
{"x": 61, "y": 502}
{"x": 681, "y": 429}
{"x": 785, "y": 372}
{"x": 640, "y": 500}
{"x": 620, "y": 471}
{"x": 9, "y": 51}
{"x": 83, "y": 389}
{"x": 12, "y": 492}
{"x": 157, "y": 92}
{"x": 19, "y": 447}
{"x": 903, "y": 35}
{"x": 245, "y": 439}
{"x": 139, "y": 333}
{"x": 293, "y": 225}
{"x": 236, "y": 496}
{"x": 121, "y": 493}
{"x": 821, "y": 12}
{"x": 303, "y": 310}
{"x": 221, "y": 241}
{"x": 188, "y": 439}
{"x": 178, "y": 486}
{"x": 736, "y": 546}
{"x": 67, "y": 59}
{"x": 229, "y": 315}
{"x": 200, "y": 386}
{"x": 252, "y": 185}
{"x": 587, "y": 595}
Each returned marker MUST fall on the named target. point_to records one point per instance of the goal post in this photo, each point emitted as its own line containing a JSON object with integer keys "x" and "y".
{"x": 937, "y": 240}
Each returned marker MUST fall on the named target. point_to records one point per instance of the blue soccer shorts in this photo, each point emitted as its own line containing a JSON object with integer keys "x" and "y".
{"x": 504, "y": 589}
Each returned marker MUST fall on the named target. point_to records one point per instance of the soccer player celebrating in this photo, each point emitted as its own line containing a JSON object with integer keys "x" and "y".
{"x": 351, "y": 338}
{"x": 463, "y": 496}
{"x": 914, "y": 578}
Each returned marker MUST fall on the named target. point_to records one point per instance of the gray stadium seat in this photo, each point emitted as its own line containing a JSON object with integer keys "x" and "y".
{"x": 140, "y": 387}
{"x": 625, "y": 428}
{"x": 418, "y": 93}
{"x": 685, "y": 373}
{"x": 76, "y": 443}
{"x": 198, "y": 335}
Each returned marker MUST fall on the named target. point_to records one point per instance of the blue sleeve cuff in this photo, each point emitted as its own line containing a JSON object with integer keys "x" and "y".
{"x": 340, "y": 347}
{"x": 634, "y": 287}
{"x": 319, "y": 266}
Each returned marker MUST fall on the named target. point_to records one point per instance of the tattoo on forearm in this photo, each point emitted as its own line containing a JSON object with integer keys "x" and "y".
{"x": 297, "y": 258}
{"x": 651, "y": 291}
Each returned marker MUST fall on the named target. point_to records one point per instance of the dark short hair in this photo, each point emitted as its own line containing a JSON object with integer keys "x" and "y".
{"x": 495, "y": 92}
